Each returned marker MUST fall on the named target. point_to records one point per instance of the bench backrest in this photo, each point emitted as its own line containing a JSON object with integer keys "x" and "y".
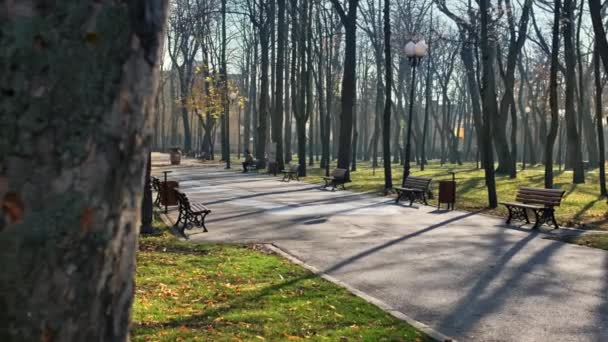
{"x": 417, "y": 183}
{"x": 184, "y": 203}
{"x": 294, "y": 167}
{"x": 339, "y": 173}
{"x": 547, "y": 197}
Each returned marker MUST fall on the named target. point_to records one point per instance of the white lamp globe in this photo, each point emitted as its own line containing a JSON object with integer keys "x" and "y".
{"x": 233, "y": 95}
{"x": 421, "y": 48}
{"x": 410, "y": 49}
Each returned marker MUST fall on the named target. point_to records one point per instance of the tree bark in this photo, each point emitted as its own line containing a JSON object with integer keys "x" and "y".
{"x": 75, "y": 132}
{"x": 489, "y": 105}
{"x": 572, "y": 133}
{"x": 553, "y": 99}
{"x": 599, "y": 122}
{"x": 277, "y": 125}
{"x": 386, "y": 127}
{"x": 349, "y": 82}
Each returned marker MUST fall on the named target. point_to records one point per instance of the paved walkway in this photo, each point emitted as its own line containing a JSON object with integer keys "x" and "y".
{"x": 466, "y": 275}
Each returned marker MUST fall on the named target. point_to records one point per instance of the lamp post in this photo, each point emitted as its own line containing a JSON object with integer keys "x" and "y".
{"x": 414, "y": 53}
{"x": 233, "y": 95}
{"x": 523, "y": 157}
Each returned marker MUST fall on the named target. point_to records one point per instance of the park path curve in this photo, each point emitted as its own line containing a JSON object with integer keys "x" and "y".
{"x": 465, "y": 275}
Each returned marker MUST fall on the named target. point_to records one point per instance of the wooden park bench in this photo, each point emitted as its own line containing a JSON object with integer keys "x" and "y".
{"x": 338, "y": 177}
{"x": 190, "y": 214}
{"x": 540, "y": 201}
{"x": 415, "y": 188}
{"x": 291, "y": 173}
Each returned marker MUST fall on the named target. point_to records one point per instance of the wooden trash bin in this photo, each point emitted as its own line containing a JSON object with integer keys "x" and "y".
{"x": 168, "y": 197}
{"x": 447, "y": 193}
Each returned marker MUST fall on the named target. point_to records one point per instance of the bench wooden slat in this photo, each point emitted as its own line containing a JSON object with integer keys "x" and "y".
{"x": 528, "y": 206}
{"x": 538, "y": 200}
{"x": 539, "y": 195}
{"x": 539, "y": 190}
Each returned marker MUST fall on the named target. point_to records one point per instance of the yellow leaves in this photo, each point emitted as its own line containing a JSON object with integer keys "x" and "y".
{"x": 260, "y": 338}
{"x": 292, "y": 337}
{"x": 166, "y": 291}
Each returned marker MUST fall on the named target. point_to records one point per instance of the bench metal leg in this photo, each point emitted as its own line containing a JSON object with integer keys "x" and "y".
{"x": 520, "y": 214}
{"x": 510, "y": 215}
{"x": 539, "y": 220}
{"x": 554, "y": 220}
{"x": 412, "y": 198}
{"x": 179, "y": 219}
{"x": 200, "y": 221}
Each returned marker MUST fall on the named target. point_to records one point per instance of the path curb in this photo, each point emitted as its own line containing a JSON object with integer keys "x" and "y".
{"x": 377, "y": 302}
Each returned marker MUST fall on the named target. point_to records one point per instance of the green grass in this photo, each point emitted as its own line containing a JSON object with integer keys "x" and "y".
{"x": 581, "y": 204}
{"x": 590, "y": 240}
{"x": 211, "y": 292}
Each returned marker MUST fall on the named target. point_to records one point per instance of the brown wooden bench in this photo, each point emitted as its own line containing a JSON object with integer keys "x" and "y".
{"x": 190, "y": 214}
{"x": 338, "y": 177}
{"x": 415, "y": 188}
{"x": 291, "y": 173}
{"x": 540, "y": 201}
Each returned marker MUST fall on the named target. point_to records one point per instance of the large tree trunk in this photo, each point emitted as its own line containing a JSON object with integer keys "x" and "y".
{"x": 599, "y": 122}
{"x": 250, "y": 114}
{"x": 489, "y": 105}
{"x": 573, "y": 137}
{"x": 349, "y": 82}
{"x": 386, "y": 127}
{"x": 74, "y": 139}
{"x": 277, "y": 124}
{"x": 262, "y": 123}
{"x": 553, "y": 99}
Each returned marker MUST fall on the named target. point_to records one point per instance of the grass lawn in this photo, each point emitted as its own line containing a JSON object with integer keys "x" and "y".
{"x": 580, "y": 206}
{"x": 214, "y": 292}
{"x": 590, "y": 240}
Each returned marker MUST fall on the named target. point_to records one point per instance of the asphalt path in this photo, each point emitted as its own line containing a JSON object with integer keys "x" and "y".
{"x": 464, "y": 274}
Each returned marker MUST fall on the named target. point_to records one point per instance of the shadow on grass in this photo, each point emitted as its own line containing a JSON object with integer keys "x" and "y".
{"x": 587, "y": 206}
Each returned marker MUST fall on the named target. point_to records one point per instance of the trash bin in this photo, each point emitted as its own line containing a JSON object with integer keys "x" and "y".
{"x": 447, "y": 193}
{"x": 167, "y": 195}
{"x": 175, "y": 154}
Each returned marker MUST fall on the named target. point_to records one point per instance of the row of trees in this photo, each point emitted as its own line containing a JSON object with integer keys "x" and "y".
{"x": 503, "y": 83}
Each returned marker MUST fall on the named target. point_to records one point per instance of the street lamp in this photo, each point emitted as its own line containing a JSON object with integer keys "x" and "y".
{"x": 414, "y": 53}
